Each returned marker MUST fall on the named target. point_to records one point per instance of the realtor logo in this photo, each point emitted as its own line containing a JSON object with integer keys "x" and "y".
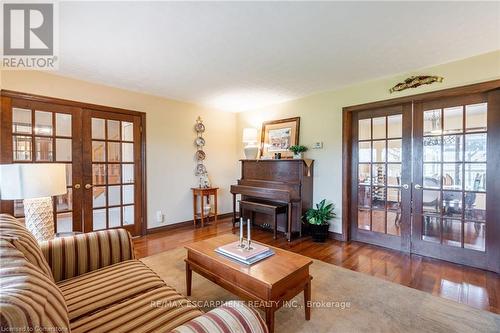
{"x": 29, "y": 36}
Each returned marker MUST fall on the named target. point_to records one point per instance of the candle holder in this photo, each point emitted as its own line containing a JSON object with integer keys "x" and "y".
{"x": 249, "y": 241}
{"x": 241, "y": 244}
{"x": 249, "y": 247}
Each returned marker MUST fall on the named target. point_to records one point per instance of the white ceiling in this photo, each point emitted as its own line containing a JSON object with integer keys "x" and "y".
{"x": 237, "y": 56}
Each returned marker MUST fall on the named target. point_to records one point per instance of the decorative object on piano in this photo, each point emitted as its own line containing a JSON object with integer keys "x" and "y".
{"x": 245, "y": 252}
{"x": 318, "y": 220}
{"x": 200, "y": 156}
{"x": 297, "y": 151}
{"x": 279, "y": 135}
{"x": 415, "y": 81}
{"x": 250, "y": 139}
{"x": 277, "y": 156}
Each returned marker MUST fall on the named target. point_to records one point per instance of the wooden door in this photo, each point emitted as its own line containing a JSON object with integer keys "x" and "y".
{"x": 37, "y": 132}
{"x": 38, "y": 129}
{"x": 112, "y": 173}
{"x": 454, "y": 180}
{"x": 381, "y": 174}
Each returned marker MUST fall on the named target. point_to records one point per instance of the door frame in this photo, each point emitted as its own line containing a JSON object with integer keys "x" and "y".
{"x": 6, "y": 97}
{"x": 347, "y": 156}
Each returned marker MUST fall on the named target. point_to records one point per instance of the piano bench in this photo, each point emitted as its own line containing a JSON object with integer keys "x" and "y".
{"x": 265, "y": 207}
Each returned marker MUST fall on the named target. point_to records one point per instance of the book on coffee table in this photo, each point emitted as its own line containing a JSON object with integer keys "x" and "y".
{"x": 257, "y": 253}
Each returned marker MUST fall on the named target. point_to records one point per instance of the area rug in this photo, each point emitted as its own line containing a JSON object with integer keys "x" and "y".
{"x": 343, "y": 301}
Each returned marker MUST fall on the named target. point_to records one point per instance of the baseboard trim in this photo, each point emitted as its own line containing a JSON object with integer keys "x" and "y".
{"x": 182, "y": 224}
{"x": 168, "y": 227}
{"x": 336, "y": 236}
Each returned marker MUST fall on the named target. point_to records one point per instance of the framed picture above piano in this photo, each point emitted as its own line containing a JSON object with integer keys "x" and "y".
{"x": 279, "y": 135}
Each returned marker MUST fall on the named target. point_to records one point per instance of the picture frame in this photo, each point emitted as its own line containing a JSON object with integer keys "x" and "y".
{"x": 278, "y": 135}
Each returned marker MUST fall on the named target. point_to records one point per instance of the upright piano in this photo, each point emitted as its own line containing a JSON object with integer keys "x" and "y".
{"x": 285, "y": 181}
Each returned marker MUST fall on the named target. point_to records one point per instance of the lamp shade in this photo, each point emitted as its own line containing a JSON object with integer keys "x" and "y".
{"x": 249, "y": 135}
{"x": 29, "y": 181}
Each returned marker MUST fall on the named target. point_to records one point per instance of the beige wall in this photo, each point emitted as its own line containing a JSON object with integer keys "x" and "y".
{"x": 170, "y": 137}
{"x": 321, "y": 116}
{"x": 170, "y": 132}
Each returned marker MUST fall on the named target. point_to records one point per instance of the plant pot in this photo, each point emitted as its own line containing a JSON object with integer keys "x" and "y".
{"x": 297, "y": 156}
{"x": 319, "y": 232}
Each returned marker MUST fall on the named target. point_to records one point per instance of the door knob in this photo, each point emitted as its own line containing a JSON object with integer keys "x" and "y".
{"x": 88, "y": 186}
{"x": 406, "y": 186}
{"x": 418, "y": 187}
{"x": 77, "y": 186}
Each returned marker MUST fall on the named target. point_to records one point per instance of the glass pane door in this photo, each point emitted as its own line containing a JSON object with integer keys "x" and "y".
{"x": 450, "y": 181}
{"x": 382, "y": 177}
{"x": 43, "y": 133}
{"x": 113, "y": 187}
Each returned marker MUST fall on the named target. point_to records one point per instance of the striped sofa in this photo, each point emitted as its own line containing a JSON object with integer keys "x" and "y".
{"x": 92, "y": 283}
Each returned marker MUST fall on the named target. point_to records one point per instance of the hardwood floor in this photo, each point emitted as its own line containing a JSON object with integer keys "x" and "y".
{"x": 474, "y": 287}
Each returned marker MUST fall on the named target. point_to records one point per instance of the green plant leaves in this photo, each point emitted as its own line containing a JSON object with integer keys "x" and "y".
{"x": 321, "y": 214}
{"x": 297, "y": 149}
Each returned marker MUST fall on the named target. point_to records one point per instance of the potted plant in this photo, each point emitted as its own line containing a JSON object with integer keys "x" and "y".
{"x": 318, "y": 220}
{"x": 297, "y": 151}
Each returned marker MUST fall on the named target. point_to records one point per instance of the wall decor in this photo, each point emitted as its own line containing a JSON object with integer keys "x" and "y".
{"x": 200, "y": 155}
{"x": 415, "y": 81}
{"x": 278, "y": 136}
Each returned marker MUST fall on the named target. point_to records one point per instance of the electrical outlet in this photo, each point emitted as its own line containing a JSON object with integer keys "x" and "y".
{"x": 318, "y": 145}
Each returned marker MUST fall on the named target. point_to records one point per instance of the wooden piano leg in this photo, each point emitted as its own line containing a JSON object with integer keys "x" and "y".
{"x": 234, "y": 209}
{"x": 289, "y": 234}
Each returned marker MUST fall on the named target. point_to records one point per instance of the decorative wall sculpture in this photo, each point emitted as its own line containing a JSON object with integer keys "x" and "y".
{"x": 415, "y": 81}
{"x": 201, "y": 170}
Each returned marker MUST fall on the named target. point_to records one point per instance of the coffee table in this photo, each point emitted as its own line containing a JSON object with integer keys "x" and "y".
{"x": 268, "y": 283}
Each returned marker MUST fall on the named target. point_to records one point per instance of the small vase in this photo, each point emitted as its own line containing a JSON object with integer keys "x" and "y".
{"x": 297, "y": 156}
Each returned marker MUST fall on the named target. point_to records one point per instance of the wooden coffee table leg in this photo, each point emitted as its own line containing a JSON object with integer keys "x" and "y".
{"x": 307, "y": 300}
{"x": 189, "y": 274}
{"x": 270, "y": 318}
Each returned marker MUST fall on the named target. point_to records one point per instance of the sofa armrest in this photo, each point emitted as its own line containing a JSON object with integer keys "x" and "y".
{"x": 232, "y": 316}
{"x": 74, "y": 255}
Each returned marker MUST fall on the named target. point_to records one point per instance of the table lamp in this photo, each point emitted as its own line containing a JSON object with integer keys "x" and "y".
{"x": 35, "y": 184}
{"x": 250, "y": 138}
